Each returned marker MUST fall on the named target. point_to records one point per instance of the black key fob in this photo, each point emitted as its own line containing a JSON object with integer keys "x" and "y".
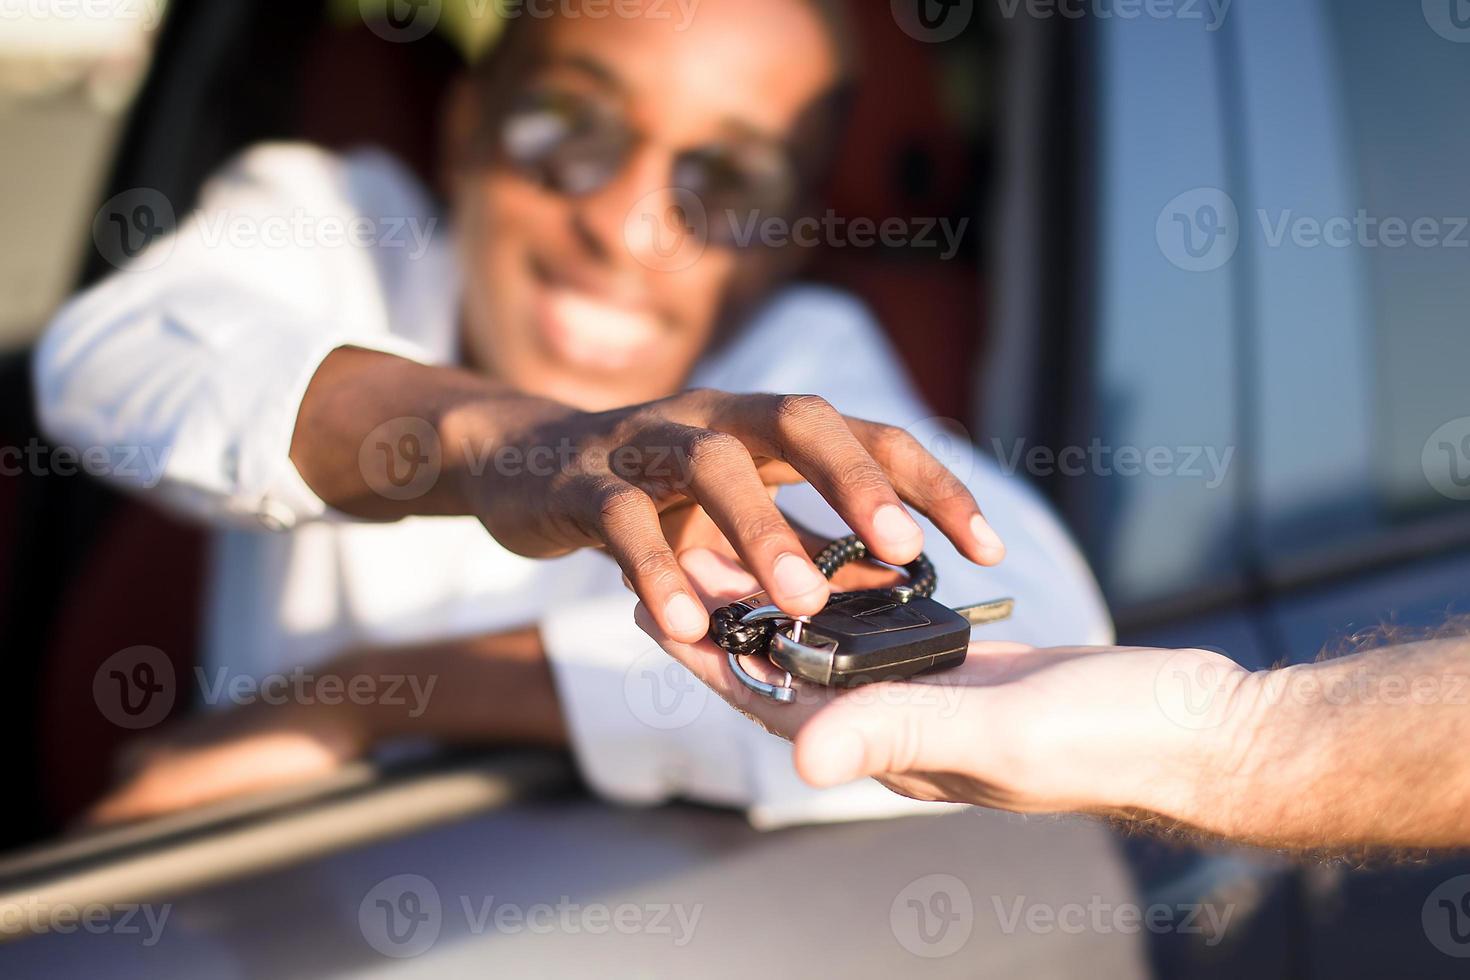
{"x": 877, "y": 636}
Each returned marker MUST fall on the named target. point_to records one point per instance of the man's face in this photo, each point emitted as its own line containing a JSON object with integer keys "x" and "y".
{"x": 588, "y": 290}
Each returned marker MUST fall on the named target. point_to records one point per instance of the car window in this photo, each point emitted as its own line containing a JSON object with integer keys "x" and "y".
{"x": 1161, "y": 502}
{"x": 68, "y": 73}
{"x": 1405, "y": 124}
{"x": 1282, "y": 256}
{"x": 1355, "y": 247}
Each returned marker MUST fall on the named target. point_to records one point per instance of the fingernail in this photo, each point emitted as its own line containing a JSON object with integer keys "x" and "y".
{"x": 991, "y": 546}
{"x": 795, "y": 576}
{"x": 894, "y": 525}
{"x": 838, "y": 758}
{"x": 684, "y": 615}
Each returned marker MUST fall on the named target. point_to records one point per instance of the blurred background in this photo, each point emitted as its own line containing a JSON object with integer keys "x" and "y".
{"x": 1213, "y": 307}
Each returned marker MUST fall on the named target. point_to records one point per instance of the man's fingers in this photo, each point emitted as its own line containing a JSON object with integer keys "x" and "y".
{"x": 627, "y": 522}
{"x": 929, "y": 486}
{"x": 810, "y": 435}
{"x": 904, "y": 728}
{"x": 724, "y": 481}
{"x": 719, "y": 580}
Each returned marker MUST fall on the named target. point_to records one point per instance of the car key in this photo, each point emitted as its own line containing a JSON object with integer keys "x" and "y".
{"x": 859, "y": 637}
{"x": 877, "y": 636}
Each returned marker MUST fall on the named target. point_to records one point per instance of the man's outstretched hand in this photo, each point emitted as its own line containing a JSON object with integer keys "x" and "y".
{"x": 545, "y": 479}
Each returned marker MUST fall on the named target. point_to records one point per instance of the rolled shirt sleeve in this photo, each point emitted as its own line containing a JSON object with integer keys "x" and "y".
{"x": 195, "y": 358}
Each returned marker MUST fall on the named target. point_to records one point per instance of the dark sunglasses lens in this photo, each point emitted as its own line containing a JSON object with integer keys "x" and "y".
{"x": 567, "y": 144}
{"x": 736, "y": 185}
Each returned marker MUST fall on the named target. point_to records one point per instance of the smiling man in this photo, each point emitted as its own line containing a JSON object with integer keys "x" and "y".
{"x": 354, "y": 418}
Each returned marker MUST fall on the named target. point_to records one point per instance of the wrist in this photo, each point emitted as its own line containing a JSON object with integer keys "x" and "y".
{"x": 1206, "y": 754}
{"x": 487, "y": 445}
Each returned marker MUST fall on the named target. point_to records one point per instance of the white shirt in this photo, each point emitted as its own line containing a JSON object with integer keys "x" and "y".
{"x": 199, "y": 354}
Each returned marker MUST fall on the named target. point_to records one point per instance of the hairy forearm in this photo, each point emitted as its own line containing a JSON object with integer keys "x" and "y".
{"x": 381, "y": 437}
{"x": 1363, "y": 751}
{"x": 490, "y": 688}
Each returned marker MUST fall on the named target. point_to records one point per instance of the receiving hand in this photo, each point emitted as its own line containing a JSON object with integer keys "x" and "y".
{"x": 1014, "y": 727}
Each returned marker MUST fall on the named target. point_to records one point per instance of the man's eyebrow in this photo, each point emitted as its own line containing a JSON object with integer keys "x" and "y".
{"x": 747, "y": 131}
{"x": 585, "y": 65}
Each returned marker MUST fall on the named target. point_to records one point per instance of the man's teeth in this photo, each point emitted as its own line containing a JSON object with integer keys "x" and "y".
{"x": 599, "y": 325}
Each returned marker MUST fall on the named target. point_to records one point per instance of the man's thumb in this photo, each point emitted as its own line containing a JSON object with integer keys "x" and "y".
{"x": 848, "y": 740}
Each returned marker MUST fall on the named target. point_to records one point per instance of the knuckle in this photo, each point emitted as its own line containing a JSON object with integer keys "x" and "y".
{"x": 860, "y": 475}
{"x": 798, "y": 413}
{"x": 762, "y": 530}
{"x": 621, "y": 506}
{"x": 708, "y": 447}
{"x": 655, "y": 567}
{"x": 952, "y": 494}
{"x": 893, "y": 441}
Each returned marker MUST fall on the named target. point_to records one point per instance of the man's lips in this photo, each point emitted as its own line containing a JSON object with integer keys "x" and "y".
{"x": 585, "y": 330}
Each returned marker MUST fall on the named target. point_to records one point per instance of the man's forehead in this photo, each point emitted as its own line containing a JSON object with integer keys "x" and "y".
{"x": 752, "y": 66}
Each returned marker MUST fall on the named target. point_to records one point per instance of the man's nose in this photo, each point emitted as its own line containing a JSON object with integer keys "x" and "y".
{"x": 641, "y": 218}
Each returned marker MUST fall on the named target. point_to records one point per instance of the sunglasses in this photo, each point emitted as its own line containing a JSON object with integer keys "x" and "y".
{"x": 575, "y": 145}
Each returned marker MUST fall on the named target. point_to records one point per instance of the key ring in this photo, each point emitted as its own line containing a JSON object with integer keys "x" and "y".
{"x": 739, "y": 629}
{"x": 786, "y": 693}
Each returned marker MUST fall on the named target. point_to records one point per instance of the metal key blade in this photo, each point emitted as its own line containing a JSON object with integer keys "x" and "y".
{"x": 985, "y": 613}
